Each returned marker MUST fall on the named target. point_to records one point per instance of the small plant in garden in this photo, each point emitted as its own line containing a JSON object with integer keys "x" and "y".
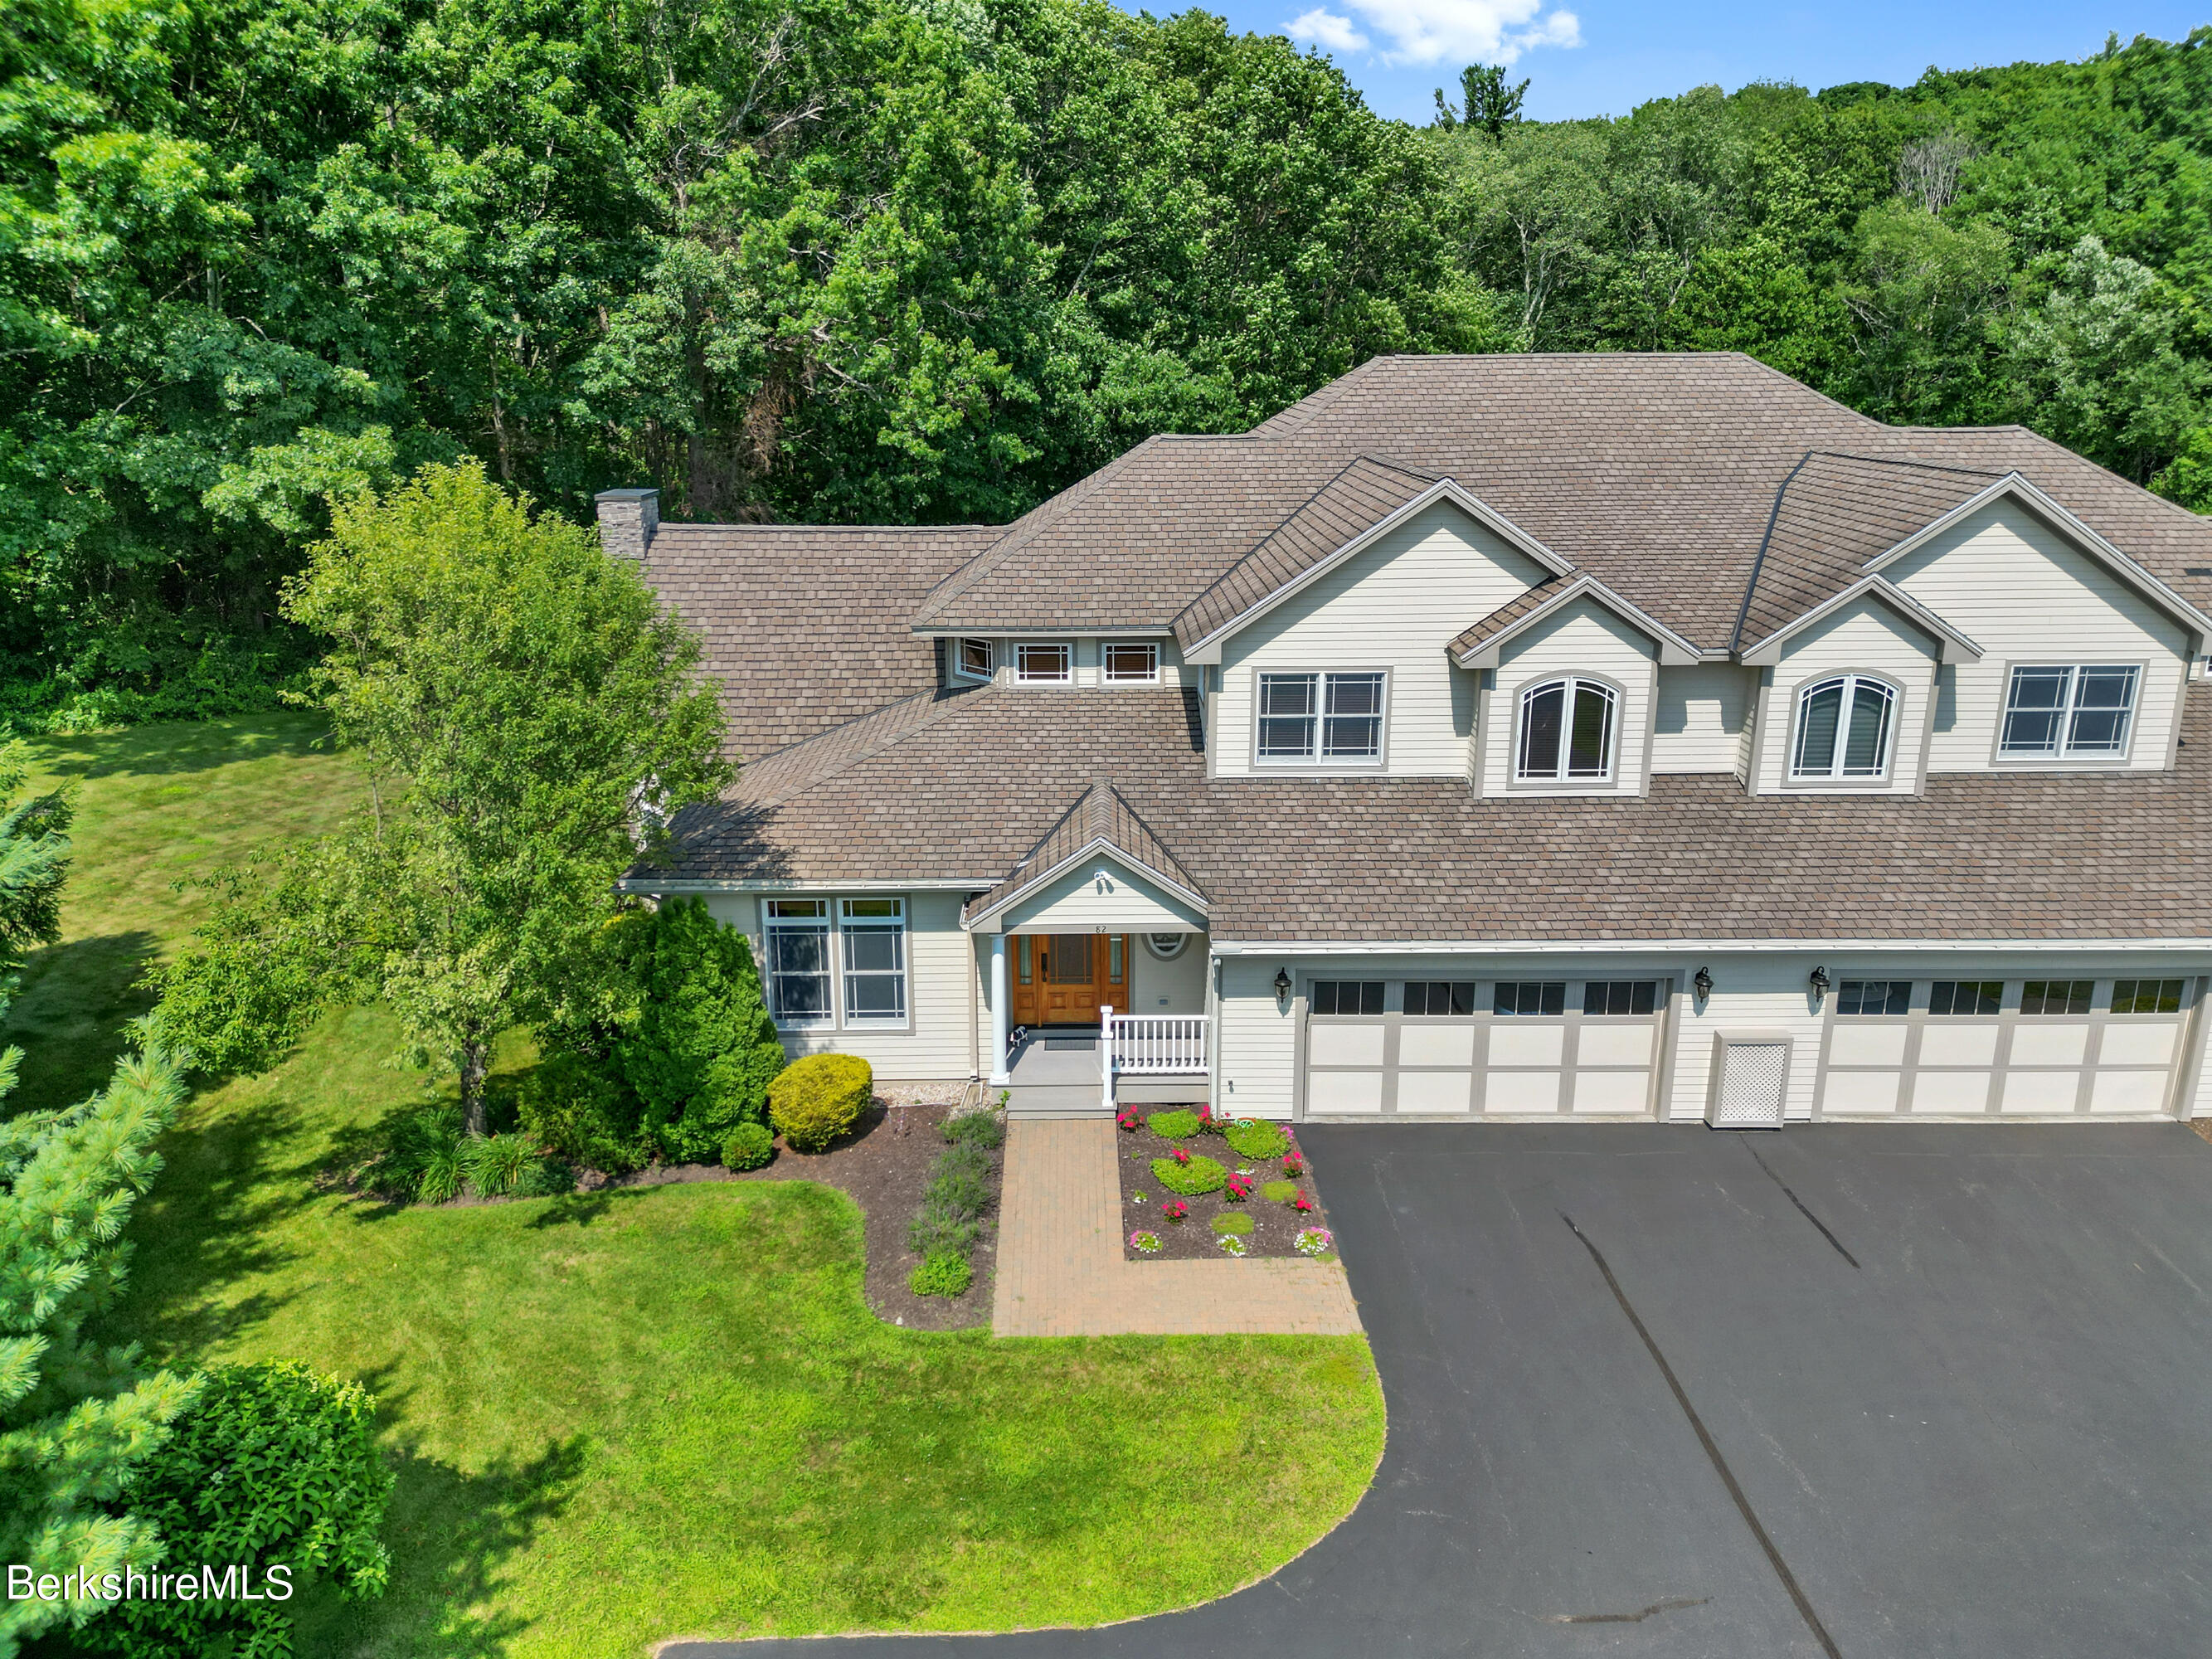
{"x": 1188, "y": 1175}
{"x": 1239, "y": 1224}
{"x": 1136, "y": 1198}
{"x": 1314, "y": 1241}
{"x": 1301, "y": 1204}
{"x": 1144, "y": 1242}
{"x": 975, "y": 1128}
{"x": 1256, "y": 1137}
{"x": 1294, "y": 1164}
{"x": 1175, "y": 1209}
{"x": 749, "y": 1146}
{"x": 1232, "y": 1242}
{"x": 816, "y": 1099}
{"x": 550, "y": 1178}
{"x": 1208, "y": 1124}
{"x": 1177, "y": 1125}
{"x": 495, "y": 1163}
{"x": 1182, "y": 1155}
{"x": 1239, "y": 1187}
{"x": 942, "y": 1272}
{"x": 1280, "y": 1192}
{"x": 1129, "y": 1118}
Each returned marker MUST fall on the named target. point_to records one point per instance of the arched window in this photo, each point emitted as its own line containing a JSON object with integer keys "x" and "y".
{"x": 1844, "y": 729}
{"x": 1567, "y": 729}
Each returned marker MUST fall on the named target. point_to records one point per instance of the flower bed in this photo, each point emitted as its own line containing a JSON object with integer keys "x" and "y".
{"x": 1190, "y": 1196}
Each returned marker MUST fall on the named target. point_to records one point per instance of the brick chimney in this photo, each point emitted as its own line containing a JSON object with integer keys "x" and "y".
{"x": 628, "y": 518}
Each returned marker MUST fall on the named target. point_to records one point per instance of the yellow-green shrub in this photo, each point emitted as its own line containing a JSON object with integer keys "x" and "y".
{"x": 815, "y": 1100}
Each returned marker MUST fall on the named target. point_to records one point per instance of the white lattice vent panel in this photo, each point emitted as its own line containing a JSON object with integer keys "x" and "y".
{"x": 1748, "y": 1093}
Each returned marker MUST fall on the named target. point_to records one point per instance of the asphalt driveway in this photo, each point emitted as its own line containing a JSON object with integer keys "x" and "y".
{"x": 1917, "y": 1390}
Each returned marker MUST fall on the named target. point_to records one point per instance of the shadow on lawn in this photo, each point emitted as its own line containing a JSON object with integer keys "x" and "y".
{"x": 70, "y": 1016}
{"x": 452, "y": 1537}
{"x": 179, "y": 746}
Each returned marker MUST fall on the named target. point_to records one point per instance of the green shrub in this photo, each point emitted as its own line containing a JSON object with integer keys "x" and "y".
{"x": 749, "y": 1146}
{"x": 440, "y": 1176}
{"x": 1201, "y": 1174}
{"x": 495, "y": 1163}
{"x": 1256, "y": 1137}
{"x": 942, "y": 1272}
{"x": 816, "y": 1099}
{"x": 976, "y": 1129}
{"x": 271, "y": 1466}
{"x": 1278, "y": 1191}
{"x": 572, "y": 1107}
{"x": 548, "y": 1177}
{"x": 1176, "y": 1125}
{"x": 1234, "y": 1222}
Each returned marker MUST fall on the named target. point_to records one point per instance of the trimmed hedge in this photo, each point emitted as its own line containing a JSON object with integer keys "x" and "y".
{"x": 1256, "y": 1137}
{"x": 1176, "y": 1125}
{"x": 1201, "y": 1174}
{"x": 749, "y": 1146}
{"x": 815, "y": 1100}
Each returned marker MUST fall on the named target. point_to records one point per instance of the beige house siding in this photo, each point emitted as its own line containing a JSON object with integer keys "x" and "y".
{"x": 1700, "y": 719}
{"x": 1394, "y": 606}
{"x": 1176, "y": 986}
{"x": 2025, "y": 594}
{"x": 1864, "y": 637}
{"x": 1582, "y": 638}
{"x": 942, "y": 974}
{"x": 1101, "y": 895}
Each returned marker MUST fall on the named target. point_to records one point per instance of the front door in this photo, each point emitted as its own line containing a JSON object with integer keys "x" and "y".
{"x": 1063, "y": 979}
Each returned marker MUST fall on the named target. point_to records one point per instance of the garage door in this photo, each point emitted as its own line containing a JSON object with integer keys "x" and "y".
{"x": 2069, "y": 1048}
{"x": 1466, "y": 1048}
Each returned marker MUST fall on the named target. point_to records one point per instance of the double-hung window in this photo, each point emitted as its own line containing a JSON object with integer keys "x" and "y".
{"x": 1330, "y": 718}
{"x": 2069, "y": 713}
{"x": 1844, "y": 729}
{"x": 797, "y": 940}
{"x": 1125, "y": 663}
{"x": 1567, "y": 731}
{"x": 874, "y": 942}
{"x": 1044, "y": 665}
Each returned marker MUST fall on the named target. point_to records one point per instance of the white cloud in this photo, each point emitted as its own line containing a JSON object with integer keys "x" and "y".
{"x": 1326, "y": 29}
{"x": 1453, "y": 32}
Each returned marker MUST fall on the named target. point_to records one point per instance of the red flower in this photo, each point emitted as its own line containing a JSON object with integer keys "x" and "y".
{"x": 1175, "y": 1211}
{"x": 1240, "y": 1188}
{"x": 1294, "y": 1166}
{"x": 1131, "y": 1118}
{"x": 1182, "y": 1155}
{"x": 1301, "y": 1204}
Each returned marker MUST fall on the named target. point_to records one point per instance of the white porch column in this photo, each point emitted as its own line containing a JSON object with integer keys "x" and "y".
{"x": 999, "y": 1027}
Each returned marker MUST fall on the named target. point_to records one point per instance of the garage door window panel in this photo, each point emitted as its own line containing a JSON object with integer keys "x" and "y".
{"x": 1529, "y": 998}
{"x": 1338, "y": 997}
{"x": 1439, "y": 998}
{"x": 2147, "y": 996}
{"x": 1620, "y": 996}
{"x": 1858, "y": 997}
{"x": 1948, "y": 998}
{"x": 2056, "y": 996}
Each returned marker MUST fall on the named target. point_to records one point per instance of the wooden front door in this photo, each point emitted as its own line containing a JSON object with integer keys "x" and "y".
{"x": 1063, "y": 979}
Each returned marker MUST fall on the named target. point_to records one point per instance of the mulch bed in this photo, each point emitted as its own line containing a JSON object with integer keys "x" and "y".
{"x": 1274, "y": 1225}
{"x": 884, "y": 1164}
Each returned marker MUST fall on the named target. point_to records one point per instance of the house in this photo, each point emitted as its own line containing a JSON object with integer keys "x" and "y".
{"x": 1505, "y": 737}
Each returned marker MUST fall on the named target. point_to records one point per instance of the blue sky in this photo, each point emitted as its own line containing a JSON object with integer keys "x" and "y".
{"x": 1605, "y": 56}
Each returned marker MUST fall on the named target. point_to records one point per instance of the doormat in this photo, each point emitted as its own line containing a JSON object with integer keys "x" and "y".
{"x": 1085, "y": 1043}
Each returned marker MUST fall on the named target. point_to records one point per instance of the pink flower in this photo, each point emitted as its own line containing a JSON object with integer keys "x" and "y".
{"x": 1175, "y": 1211}
{"x": 1182, "y": 1155}
{"x": 1301, "y": 1204}
{"x": 1293, "y": 1165}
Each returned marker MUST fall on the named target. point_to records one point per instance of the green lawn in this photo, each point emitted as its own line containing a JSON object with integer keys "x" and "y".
{"x": 619, "y": 1418}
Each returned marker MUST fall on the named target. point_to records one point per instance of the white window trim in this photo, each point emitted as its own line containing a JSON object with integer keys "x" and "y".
{"x": 1066, "y": 676}
{"x": 1181, "y": 943}
{"x": 1107, "y": 646}
{"x": 1850, "y": 680}
{"x": 1316, "y": 762}
{"x": 1559, "y": 782}
{"x": 960, "y": 670}
{"x": 2002, "y": 756}
{"x": 833, "y": 917}
{"x": 770, "y": 925}
{"x": 847, "y": 924}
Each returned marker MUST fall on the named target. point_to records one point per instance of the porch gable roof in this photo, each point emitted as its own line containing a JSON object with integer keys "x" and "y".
{"x": 1099, "y": 823}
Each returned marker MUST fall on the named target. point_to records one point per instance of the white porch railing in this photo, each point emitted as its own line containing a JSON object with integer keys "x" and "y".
{"x": 1150, "y": 1045}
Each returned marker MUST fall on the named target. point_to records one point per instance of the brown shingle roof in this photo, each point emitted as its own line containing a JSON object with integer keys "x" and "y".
{"x": 1102, "y": 818}
{"x": 807, "y": 626}
{"x": 1992, "y": 855}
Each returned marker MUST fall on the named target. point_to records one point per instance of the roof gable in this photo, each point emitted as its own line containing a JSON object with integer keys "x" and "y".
{"x": 1481, "y": 645}
{"x": 1101, "y": 823}
{"x": 1951, "y": 645}
{"x": 1363, "y": 503}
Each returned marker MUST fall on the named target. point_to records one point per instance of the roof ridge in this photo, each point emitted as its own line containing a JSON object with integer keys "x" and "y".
{"x": 945, "y": 696}
{"x": 1891, "y": 460}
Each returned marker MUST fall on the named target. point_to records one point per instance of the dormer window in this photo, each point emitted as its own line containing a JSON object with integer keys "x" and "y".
{"x": 1044, "y": 665}
{"x": 1567, "y": 732}
{"x": 1844, "y": 726}
{"x": 971, "y": 659}
{"x": 1331, "y": 719}
{"x": 1125, "y": 663}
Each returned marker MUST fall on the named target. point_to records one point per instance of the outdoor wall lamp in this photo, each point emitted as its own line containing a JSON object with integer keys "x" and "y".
{"x": 1703, "y": 982}
{"x": 1818, "y": 981}
{"x": 1283, "y": 986}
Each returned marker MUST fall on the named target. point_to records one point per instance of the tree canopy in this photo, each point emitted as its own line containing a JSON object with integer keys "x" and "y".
{"x": 930, "y": 260}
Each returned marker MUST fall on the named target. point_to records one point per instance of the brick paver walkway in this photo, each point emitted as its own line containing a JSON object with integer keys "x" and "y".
{"x": 1060, "y": 1271}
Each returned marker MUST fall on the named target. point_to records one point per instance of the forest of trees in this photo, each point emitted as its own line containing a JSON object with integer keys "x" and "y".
{"x": 933, "y": 259}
